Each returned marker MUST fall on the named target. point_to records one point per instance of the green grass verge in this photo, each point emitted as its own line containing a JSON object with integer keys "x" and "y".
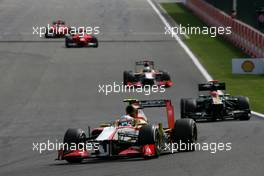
{"x": 216, "y": 54}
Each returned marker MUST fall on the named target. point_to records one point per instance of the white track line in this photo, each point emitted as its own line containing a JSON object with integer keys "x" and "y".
{"x": 258, "y": 114}
{"x": 188, "y": 51}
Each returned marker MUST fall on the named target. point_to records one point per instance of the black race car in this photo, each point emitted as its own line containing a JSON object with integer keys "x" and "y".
{"x": 215, "y": 105}
{"x": 147, "y": 75}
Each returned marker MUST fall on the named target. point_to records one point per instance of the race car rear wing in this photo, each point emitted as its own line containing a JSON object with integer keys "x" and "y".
{"x": 147, "y": 103}
{"x": 156, "y": 103}
{"x": 145, "y": 62}
{"x": 139, "y": 64}
{"x": 211, "y": 86}
{"x": 152, "y": 103}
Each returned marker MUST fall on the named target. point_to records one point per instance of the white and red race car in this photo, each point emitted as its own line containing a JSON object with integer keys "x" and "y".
{"x": 148, "y": 75}
{"x": 130, "y": 138}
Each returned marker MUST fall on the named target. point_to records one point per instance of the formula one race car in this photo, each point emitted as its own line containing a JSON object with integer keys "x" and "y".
{"x": 58, "y": 29}
{"x": 130, "y": 137}
{"x": 147, "y": 75}
{"x": 81, "y": 40}
{"x": 216, "y": 105}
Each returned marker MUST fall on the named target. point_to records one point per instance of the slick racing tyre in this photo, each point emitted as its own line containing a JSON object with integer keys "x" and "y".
{"x": 149, "y": 134}
{"x": 125, "y": 77}
{"x": 163, "y": 76}
{"x": 185, "y": 134}
{"x": 187, "y": 105}
{"x": 74, "y": 137}
{"x": 243, "y": 104}
{"x": 47, "y": 33}
{"x": 68, "y": 42}
{"x": 128, "y": 77}
{"x": 95, "y": 41}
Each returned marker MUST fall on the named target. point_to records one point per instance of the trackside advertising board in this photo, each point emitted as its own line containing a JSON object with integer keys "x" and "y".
{"x": 248, "y": 66}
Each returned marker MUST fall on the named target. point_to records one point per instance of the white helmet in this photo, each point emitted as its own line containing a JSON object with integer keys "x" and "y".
{"x": 147, "y": 69}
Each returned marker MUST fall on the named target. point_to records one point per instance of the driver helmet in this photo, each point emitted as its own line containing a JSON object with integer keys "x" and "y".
{"x": 147, "y": 69}
{"x": 131, "y": 111}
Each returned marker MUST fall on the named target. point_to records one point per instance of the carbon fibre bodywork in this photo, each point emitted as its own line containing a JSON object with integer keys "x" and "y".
{"x": 216, "y": 105}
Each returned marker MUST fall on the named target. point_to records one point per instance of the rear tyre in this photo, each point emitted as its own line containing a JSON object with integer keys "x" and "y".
{"x": 243, "y": 104}
{"x": 149, "y": 134}
{"x": 46, "y": 33}
{"x": 67, "y": 43}
{"x": 72, "y": 137}
{"x": 185, "y": 134}
{"x": 166, "y": 77}
{"x": 163, "y": 76}
{"x": 125, "y": 77}
{"x": 96, "y": 42}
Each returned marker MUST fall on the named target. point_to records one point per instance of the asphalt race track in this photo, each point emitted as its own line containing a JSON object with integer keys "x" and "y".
{"x": 46, "y": 88}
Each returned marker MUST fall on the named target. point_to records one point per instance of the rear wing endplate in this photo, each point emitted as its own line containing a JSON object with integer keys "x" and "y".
{"x": 156, "y": 103}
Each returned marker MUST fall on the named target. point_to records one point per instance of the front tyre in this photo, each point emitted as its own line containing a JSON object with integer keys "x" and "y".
{"x": 74, "y": 160}
{"x": 188, "y": 106}
{"x": 72, "y": 137}
{"x": 149, "y": 134}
